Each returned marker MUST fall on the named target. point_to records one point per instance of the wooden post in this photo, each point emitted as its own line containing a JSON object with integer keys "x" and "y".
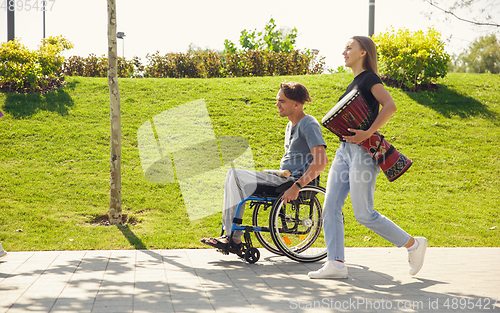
{"x": 115, "y": 201}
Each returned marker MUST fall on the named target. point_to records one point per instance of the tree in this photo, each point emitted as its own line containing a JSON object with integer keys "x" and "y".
{"x": 270, "y": 39}
{"x": 278, "y": 40}
{"x": 115, "y": 202}
{"x": 483, "y": 56}
{"x": 480, "y": 12}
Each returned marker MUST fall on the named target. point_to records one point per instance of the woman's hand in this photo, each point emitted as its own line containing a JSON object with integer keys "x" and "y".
{"x": 358, "y": 137}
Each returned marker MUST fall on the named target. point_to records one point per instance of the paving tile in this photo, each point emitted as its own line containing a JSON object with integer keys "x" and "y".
{"x": 72, "y": 306}
{"x": 152, "y": 298}
{"x": 25, "y": 304}
{"x": 112, "y": 309}
{"x": 193, "y": 308}
{"x": 145, "y": 307}
{"x": 207, "y": 281}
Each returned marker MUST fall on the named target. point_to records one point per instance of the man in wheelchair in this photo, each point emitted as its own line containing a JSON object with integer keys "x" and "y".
{"x": 305, "y": 157}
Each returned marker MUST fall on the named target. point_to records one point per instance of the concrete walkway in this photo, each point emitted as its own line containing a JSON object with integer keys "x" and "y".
{"x": 452, "y": 280}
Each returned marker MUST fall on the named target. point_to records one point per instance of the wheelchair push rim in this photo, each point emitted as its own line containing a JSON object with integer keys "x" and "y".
{"x": 297, "y": 228}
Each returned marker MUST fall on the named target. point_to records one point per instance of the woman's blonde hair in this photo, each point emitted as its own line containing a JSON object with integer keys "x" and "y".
{"x": 370, "y": 61}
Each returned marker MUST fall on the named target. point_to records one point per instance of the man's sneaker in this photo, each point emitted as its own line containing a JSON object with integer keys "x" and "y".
{"x": 329, "y": 270}
{"x": 416, "y": 257}
{"x": 2, "y": 251}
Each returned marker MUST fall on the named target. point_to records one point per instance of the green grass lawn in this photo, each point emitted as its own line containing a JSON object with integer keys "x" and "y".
{"x": 54, "y": 160}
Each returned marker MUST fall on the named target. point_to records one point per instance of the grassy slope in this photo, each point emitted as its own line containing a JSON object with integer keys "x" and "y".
{"x": 54, "y": 160}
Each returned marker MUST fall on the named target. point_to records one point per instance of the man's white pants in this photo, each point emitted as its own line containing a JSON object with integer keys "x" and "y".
{"x": 239, "y": 185}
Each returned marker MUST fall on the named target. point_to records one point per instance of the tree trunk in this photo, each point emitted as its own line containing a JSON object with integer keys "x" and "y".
{"x": 115, "y": 201}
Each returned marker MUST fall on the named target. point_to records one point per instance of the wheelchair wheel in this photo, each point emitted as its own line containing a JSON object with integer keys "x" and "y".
{"x": 252, "y": 255}
{"x": 297, "y": 226}
{"x": 260, "y": 217}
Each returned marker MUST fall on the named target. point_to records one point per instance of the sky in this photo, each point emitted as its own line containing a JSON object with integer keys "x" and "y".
{"x": 171, "y": 26}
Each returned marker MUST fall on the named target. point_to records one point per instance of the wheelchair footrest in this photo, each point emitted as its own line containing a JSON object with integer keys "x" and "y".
{"x": 223, "y": 251}
{"x": 240, "y": 253}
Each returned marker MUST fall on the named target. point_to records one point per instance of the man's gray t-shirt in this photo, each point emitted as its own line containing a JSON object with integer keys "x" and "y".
{"x": 299, "y": 140}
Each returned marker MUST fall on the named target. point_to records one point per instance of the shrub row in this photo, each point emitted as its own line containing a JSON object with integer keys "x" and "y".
{"x": 94, "y": 66}
{"x": 201, "y": 65}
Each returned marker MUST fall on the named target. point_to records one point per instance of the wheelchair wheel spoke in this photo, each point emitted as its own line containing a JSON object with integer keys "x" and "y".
{"x": 297, "y": 228}
{"x": 260, "y": 218}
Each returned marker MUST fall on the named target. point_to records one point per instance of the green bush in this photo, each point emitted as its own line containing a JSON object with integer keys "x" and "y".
{"x": 205, "y": 64}
{"x": 211, "y": 64}
{"x": 238, "y": 64}
{"x": 25, "y": 70}
{"x": 412, "y": 58}
{"x": 175, "y": 65}
{"x": 270, "y": 63}
{"x": 159, "y": 66}
{"x": 74, "y": 66}
{"x": 94, "y": 66}
{"x": 246, "y": 63}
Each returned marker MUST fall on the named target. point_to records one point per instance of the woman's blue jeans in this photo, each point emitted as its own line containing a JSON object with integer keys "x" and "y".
{"x": 354, "y": 170}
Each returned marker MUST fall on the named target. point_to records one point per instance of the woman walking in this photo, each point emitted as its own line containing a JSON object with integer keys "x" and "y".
{"x": 354, "y": 170}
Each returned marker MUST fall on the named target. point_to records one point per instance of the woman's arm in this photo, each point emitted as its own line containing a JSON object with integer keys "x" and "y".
{"x": 388, "y": 109}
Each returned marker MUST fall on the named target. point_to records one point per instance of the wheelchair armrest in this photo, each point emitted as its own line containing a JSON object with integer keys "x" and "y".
{"x": 271, "y": 191}
{"x": 283, "y": 187}
{"x": 288, "y": 184}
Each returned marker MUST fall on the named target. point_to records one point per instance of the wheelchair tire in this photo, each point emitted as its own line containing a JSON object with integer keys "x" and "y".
{"x": 252, "y": 255}
{"x": 260, "y": 218}
{"x": 295, "y": 227}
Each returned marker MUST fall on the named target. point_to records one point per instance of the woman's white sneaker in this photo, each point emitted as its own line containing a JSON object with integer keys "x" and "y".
{"x": 416, "y": 257}
{"x": 329, "y": 270}
{"x": 2, "y": 251}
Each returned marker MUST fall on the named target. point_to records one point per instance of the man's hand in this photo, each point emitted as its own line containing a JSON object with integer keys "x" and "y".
{"x": 291, "y": 194}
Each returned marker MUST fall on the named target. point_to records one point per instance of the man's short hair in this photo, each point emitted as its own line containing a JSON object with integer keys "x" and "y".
{"x": 296, "y": 92}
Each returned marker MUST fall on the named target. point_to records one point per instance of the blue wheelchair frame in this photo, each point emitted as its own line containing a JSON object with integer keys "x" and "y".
{"x": 237, "y": 221}
{"x": 252, "y": 254}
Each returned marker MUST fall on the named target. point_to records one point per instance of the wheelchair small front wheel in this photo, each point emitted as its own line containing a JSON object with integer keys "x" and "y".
{"x": 252, "y": 255}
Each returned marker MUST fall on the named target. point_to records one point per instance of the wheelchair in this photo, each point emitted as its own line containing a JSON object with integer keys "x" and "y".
{"x": 290, "y": 230}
